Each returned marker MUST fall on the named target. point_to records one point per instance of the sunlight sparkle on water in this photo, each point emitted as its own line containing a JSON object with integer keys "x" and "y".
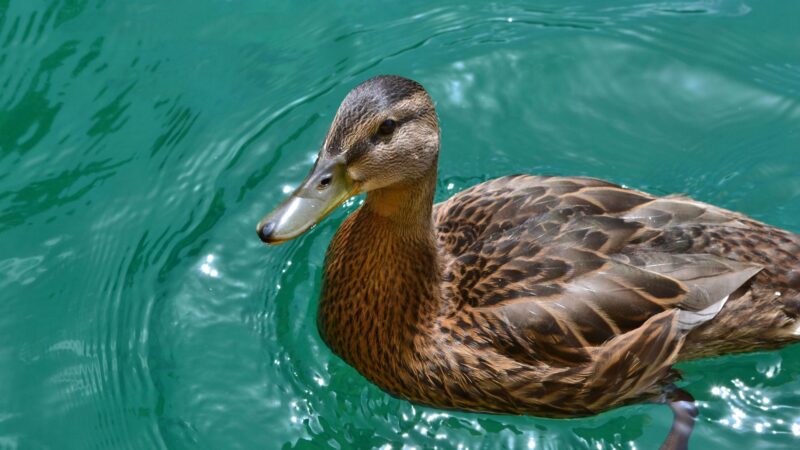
{"x": 207, "y": 268}
{"x": 430, "y": 417}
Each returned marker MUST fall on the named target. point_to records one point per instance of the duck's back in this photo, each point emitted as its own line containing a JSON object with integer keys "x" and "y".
{"x": 576, "y": 262}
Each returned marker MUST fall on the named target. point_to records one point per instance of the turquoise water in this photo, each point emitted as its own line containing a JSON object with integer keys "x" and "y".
{"x": 141, "y": 141}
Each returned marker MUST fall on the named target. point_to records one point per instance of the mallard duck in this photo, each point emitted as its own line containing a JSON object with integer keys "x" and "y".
{"x": 548, "y": 296}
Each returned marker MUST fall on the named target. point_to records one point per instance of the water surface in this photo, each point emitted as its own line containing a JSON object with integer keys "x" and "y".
{"x": 140, "y": 143}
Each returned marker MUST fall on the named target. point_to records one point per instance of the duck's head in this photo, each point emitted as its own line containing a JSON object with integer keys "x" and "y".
{"x": 385, "y": 135}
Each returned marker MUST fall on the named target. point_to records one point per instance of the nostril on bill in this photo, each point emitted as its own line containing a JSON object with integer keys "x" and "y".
{"x": 265, "y": 231}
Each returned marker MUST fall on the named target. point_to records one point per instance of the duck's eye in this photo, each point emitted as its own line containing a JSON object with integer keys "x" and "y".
{"x": 387, "y": 127}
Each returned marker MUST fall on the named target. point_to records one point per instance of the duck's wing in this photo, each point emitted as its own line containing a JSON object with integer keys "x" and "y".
{"x": 561, "y": 296}
{"x": 649, "y": 302}
{"x": 681, "y": 225}
{"x": 556, "y": 277}
{"x": 597, "y": 286}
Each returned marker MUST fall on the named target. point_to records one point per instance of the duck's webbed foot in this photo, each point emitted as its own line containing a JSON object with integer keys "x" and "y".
{"x": 684, "y": 411}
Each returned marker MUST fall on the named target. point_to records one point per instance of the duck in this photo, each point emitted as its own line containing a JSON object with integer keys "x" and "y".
{"x": 548, "y": 296}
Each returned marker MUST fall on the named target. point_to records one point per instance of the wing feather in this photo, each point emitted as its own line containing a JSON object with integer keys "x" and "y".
{"x": 552, "y": 259}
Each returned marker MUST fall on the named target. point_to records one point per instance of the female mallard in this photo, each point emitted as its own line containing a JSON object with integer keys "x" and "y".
{"x": 557, "y": 297}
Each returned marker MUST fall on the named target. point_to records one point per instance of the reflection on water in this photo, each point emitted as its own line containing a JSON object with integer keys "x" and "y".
{"x": 140, "y": 142}
{"x": 207, "y": 267}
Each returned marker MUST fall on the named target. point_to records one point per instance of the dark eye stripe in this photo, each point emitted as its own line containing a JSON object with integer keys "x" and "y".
{"x": 356, "y": 151}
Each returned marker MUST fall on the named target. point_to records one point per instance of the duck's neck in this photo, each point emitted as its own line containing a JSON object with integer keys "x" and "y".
{"x": 382, "y": 276}
{"x": 407, "y": 208}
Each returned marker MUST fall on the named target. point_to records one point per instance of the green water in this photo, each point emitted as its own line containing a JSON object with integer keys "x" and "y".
{"x": 141, "y": 141}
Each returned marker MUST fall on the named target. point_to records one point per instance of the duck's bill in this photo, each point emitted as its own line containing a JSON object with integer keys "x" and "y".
{"x": 325, "y": 188}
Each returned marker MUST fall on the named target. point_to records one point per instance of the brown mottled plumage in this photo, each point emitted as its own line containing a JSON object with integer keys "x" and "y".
{"x": 557, "y": 297}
